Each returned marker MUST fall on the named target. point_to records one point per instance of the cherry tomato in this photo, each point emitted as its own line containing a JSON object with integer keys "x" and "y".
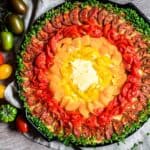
{"x": 1, "y": 59}
{"x": 7, "y": 40}
{"x": 21, "y": 124}
{"x": 5, "y": 71}
{"x": 19, "y": 6}
{"x": 15, "y": 24}
{"x": 2, "y": 90}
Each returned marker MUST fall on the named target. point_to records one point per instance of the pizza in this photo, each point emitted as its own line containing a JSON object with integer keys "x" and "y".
{"x": 83, "y": 73}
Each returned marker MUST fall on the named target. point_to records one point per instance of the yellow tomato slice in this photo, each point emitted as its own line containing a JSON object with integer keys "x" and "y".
{"x": 86, "y": 40}
{"x": 72, "y": 105}
{"x": 84, "y": 110}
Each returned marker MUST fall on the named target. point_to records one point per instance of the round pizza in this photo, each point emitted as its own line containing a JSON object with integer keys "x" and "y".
{"x": 83, "y": 73}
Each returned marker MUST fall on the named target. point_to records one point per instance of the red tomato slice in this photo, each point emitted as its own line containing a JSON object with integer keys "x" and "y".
{"x": 106, "y": 29}
{"x": 125, "y": 89}
{"x": 112, "y": 36}
{"x": 128, "y": 58}
{"x": 92, "y": 122}
{"x": 95, "y": 31}
{"x": 71, "y": 31}
{"x": 40, "y": 61}
{"x": 22, "y": 125}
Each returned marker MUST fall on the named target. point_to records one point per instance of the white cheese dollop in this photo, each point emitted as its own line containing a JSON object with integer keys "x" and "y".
{"x": 83, "y": 74}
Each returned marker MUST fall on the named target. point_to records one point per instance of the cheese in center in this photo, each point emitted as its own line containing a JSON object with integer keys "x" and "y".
{"x": 83, "y": 74}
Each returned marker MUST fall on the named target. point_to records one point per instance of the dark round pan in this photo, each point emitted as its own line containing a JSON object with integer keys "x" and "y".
{"x": 127, "y": 5}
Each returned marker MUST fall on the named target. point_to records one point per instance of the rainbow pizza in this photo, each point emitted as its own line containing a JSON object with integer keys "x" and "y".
{"x": 83, "y": 73}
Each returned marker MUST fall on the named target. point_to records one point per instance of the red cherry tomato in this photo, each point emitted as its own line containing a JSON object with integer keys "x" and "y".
{"x": 1, "y": 59}
{"x": 22, "y": 125}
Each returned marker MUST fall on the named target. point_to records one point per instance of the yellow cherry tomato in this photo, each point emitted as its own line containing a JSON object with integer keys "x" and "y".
{"x": 5, "y": 71}
{"x": 2, "y": 90}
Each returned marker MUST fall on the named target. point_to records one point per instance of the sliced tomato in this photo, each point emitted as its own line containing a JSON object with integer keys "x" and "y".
{"x": 128, "y": 58}
{"x": 129, "y": 49}
{"x": 135, "y": 71}
{"x": 83, "y": 15}
{"x": 76, "y": 119}
{"x": 92, "y": 122}
{"x": 104, "y": 119}
{"x": 74, "y": 16}
{"x": 92, "y": 16}
{"x": 113, "y": 36}
{"x": 71, "y": 31}
{"x": 125, "y": 89}
{"x": 52, "y": 44}
{"x": 137, "y": 62}
{"x": 95, "y": 31}
{"x": 112, "y": 105}
{"x": 122, "y": 44}
{"x": 106, "y": 28}
{"x": 42, "y": 76}
{"x": 41, "y": 60}
{"x": 133, "y": 79}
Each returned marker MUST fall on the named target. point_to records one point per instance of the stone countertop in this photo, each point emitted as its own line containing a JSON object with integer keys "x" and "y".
{"x": 10, "y": 139}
